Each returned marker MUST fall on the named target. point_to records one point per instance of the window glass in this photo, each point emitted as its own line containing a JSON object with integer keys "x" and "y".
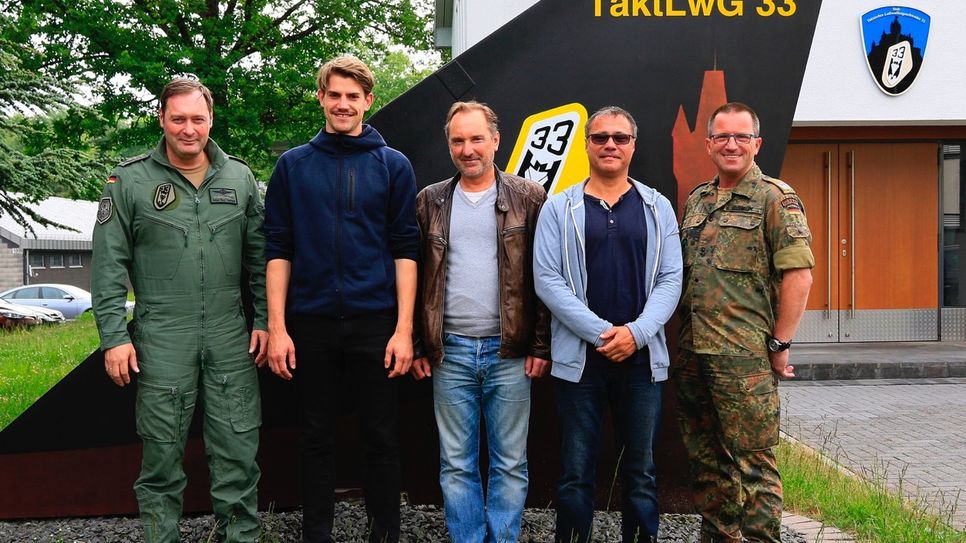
{"x": 36, "y": 260}
{"x": 56, "y": 260}
{"x": 954, "y": 229}
{"x": 74, "y": 261}
{"x": 27, "y": 293}
{"x": 52, "y": 293}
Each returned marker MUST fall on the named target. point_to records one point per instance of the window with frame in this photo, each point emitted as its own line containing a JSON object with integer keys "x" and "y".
{"x": 55, "y": 260}
{"x": 36, "y": 260}
{"x": 28, "y": 293}
{"x": 51, "y": 293}
{"x": 954, "y": 227}
{"x": 74, "y": 261}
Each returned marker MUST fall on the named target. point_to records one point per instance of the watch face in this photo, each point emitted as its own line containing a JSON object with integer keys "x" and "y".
{"x": 773, "y": 345}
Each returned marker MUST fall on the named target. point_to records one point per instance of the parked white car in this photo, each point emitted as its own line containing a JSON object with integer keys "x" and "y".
{"x": 13, "y": 315}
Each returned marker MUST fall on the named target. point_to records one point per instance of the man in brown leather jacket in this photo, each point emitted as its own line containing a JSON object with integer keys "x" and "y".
{"x": 484, "y": 332}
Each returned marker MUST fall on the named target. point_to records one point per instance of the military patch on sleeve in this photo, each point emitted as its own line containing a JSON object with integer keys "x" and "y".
{"x": 164, "y": 196}
{"x": 221, "y": 195}
{"x": 792, "y": 205}
{"x": 105, "y": 210}
{"x": 111, "y": 180}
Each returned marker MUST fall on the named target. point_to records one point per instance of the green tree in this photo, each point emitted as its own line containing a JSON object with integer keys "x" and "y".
{"x": 30, "y": 175}
{"x": 258, "y": 57}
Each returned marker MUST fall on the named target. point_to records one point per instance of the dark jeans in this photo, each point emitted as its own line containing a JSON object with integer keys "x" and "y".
{"x": 332, "y": 355}
{"x": 635, "y": 405}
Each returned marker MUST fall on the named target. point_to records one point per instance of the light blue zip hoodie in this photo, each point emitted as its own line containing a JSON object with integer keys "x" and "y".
{"x": 560, "y": 275}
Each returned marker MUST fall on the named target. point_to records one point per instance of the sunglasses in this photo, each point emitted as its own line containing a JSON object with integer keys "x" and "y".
{"x": 601, "y": 139}
{"x": 721, "y": 139}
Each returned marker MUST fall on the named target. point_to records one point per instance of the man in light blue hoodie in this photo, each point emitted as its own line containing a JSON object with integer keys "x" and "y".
{"x": 607, "y": 263}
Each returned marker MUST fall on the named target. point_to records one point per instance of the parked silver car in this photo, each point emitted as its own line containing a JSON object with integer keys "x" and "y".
{"x": 68, "y": 299}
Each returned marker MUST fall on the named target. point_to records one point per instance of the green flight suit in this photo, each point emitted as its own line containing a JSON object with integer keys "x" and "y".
{"x": 183, "y": 250}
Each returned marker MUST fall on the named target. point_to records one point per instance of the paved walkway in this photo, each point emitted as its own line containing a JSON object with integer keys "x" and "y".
{"x": 911, "y": 431}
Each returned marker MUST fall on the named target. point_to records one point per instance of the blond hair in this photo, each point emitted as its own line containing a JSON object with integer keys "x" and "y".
{"x": 346, "y": 66}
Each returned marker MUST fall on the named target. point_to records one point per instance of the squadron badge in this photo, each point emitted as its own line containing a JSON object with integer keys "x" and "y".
{"x": 894, "y": 41}
{"x": 164, "y": 196}
{"x": 545, "y": 150}
{"x": 105, "y": 210}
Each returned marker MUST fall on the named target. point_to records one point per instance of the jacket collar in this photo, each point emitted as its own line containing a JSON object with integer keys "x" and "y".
{"x": 216, "y": 157}
{"x": 341, "y": 144}
{"x": 745, "y": 187}
{"x": 575, "y": 193}
{"x": 501, "y": 204}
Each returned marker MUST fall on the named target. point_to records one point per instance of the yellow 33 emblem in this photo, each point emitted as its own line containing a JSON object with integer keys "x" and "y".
{"x": 548, "y": 148}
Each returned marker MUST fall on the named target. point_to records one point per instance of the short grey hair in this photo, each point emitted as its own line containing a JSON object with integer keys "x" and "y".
{"x": 460, "y": 107}
{"x": 736, "y": 107}
{"x": 611, "y": 111}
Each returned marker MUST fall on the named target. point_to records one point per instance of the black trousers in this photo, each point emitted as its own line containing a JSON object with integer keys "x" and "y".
{"x": 333, "y": 355}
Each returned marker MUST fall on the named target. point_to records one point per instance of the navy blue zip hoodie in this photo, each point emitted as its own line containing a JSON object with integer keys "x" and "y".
{"x": 342, "y": 209}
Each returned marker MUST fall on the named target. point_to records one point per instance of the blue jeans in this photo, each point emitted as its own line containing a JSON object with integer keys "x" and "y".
{"x": 472, "y": 379}
{"x": 635, "y": 405}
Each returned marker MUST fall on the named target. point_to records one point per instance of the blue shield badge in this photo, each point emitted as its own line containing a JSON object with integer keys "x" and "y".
{"x": 894, "y": 40}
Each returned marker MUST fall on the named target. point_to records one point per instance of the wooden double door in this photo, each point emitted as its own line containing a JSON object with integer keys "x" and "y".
{"x": 873, "y": 212}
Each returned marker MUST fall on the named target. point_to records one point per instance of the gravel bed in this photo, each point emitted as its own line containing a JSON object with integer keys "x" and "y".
{"x": 420, "y": 524}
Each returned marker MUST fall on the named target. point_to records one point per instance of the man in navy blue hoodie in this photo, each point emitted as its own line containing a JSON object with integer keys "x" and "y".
{"x": 341, "y": 245}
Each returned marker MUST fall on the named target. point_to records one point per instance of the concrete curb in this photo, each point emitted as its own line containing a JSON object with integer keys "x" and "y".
{"x": 823, "y": 371}
{"x": 814, "y": 531}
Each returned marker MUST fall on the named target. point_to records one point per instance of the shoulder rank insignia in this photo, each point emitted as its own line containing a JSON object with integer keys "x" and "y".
{"x": 700, "y": 186}
{"x": 785, "y": 187}
{"x": 132, "y": 160}
{"x": 111, "y": 180}
{"x": 105, "y": 210}
{"x": 164, "y": 196}
{"x": 232, "y": 157}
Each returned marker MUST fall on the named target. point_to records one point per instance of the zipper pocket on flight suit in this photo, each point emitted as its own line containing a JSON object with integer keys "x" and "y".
{"x": 172, "y": 224}
{"x": 214, "y": 226}
{"x": 228, "y": 245}
{"x": 163, "y": 259}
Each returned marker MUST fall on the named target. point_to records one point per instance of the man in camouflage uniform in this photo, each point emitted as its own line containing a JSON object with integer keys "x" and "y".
{"x": 181, "y": 222}
{"x": 747, "y": 272}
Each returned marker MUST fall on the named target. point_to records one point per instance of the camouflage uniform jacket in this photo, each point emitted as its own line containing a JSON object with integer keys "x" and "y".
{"x": 734, "y": 254}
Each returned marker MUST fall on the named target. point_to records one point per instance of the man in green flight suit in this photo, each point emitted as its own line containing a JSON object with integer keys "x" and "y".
{"x": 181, "y": 223}
{"x": 747, "y": 273}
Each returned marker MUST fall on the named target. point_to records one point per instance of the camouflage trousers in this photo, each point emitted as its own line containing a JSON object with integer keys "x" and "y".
{"x": 728, "y": 410}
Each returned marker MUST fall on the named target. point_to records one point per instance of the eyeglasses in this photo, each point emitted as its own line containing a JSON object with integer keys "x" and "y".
{"x": 721, "y": 139}
{"x": 601, "y": 139}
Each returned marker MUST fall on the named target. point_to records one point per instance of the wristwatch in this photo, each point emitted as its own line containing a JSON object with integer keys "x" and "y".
{"x": 776, "y": 345}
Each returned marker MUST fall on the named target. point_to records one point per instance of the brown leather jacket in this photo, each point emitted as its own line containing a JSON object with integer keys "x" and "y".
{"x": 524, "y": 320}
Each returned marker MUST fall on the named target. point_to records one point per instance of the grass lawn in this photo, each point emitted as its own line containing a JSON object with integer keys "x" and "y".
{"x": 874, "y": 514}
{"x": 34, "y": 359}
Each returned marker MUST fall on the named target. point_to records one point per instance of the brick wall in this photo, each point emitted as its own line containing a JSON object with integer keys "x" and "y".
{"x": 11, "y": 265}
